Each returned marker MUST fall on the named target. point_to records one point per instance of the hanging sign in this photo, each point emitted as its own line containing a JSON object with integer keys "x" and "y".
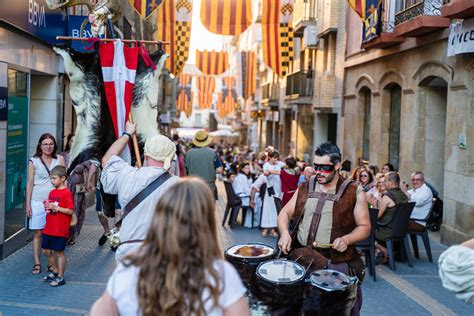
{"x": 461, "y": 37}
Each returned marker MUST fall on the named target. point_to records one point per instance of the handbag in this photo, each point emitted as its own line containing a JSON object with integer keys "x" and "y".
{"x": 114, "y": 235}
{"x": 73, "y": 221}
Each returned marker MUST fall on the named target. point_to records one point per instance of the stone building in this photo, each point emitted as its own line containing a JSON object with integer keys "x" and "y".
{"x": 406, "y": 102}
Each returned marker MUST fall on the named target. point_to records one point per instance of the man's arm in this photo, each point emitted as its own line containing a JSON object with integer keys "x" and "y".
{"x": 283, "y": 221}
{"x": 362, "y": 229}
{"x": 120, "y": 143}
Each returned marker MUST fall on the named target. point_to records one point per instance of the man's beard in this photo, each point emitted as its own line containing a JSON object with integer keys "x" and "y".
{"x": 325, "y": 179}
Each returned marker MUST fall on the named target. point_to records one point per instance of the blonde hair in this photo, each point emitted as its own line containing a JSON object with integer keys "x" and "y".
{"x": 177, "y": 258}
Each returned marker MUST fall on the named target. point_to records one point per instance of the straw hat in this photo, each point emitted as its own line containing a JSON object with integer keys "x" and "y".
{"x": 202, "y": 139}
{"x": 160, "y": 148}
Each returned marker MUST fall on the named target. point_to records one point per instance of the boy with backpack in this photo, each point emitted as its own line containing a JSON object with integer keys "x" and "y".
{"x": 59, "y": 208}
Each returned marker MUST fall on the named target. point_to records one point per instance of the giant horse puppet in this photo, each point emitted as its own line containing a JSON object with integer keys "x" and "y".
{"x": 95, "y": 131}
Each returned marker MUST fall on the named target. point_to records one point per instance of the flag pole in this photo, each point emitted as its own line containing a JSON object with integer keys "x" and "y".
{"x": 135, "y": 144}
{"x": 69, "y": 38}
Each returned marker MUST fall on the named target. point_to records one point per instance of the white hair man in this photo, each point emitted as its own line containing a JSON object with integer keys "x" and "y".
{"x": 423, "y": 197}
{"x": 118, "y": 177}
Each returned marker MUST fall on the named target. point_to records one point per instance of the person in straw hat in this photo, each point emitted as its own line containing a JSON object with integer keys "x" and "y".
{"x": 203, "y": 162}
{"x": 118, "y": 177}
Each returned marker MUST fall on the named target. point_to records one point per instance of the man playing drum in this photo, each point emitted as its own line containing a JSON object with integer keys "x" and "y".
{"x": 330, "y": 216}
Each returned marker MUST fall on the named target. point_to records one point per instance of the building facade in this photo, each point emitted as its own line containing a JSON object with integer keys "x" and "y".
{"x": 406, "y": 102}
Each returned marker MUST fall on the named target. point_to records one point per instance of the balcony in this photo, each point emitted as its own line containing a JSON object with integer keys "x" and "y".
{"x": 270, "y": 93}
{"x": 385, "y": 39}
{"x": 419, "y": 19}
{"x": 457, "y": 9}
{"x": 304, "y": 14}
{"x": 300, "y": 85}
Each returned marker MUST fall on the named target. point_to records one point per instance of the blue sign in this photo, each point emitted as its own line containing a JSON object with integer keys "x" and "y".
{"x": 34, "y": 17}
{"x": 3, "y": 103}
{"x": 74, "y": 30}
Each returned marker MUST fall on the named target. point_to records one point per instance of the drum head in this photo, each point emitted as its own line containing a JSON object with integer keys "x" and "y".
{"x": 280, "y": 271}
{"x": 330, "y": 280}
{"x": 250, "y": 250}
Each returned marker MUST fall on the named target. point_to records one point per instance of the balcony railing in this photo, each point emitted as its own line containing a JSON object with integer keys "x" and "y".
{"x": 300, "y": 83}
{"x": 305, "y": 10}
{"x": 270, "y": 91}
{"x": 425, "y": 7}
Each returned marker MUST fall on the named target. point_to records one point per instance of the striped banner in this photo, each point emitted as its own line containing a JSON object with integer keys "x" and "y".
{"x": 174, "y": 26}
{"x": 277, "y": 31}
{"x": 365, "y": 8}
{"x": 226, "y": 17}
{"x": 206, "y": 86}
{"x": 145, "y": 8}
{"x": 212, "y": 62}
{"x": 226, "y": 98}
{"x": 249, "y": 74}
{"x": 184, "y": 98}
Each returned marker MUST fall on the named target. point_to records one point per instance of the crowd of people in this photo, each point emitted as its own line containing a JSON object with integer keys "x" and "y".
{"x": 166, "y": 211}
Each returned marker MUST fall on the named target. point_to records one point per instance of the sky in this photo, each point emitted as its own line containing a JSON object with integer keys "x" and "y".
{"x": 201, "y": 38}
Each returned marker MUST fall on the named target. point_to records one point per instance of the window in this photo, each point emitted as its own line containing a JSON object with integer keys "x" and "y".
{"x": 366, "y": 103}
{"x": 395, "y": 119}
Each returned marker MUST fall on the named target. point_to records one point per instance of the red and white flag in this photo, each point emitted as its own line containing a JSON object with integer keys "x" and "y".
{"x": 119, "y": 65}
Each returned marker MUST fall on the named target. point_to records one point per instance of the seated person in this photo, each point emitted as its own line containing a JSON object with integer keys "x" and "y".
{"x": 423, "y": 197}
{"x": 387, "y": 206}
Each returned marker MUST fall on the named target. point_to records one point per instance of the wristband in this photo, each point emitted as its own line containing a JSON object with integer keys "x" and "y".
{"x": 129, "y": 136}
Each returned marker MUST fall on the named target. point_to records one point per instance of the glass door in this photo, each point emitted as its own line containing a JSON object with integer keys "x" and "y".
{"x": 16, "y": 153}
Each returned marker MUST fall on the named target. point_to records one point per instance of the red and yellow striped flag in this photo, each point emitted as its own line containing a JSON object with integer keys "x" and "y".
{"x": 212, "y": 62}
{"x": 206, "y": 86}
{"x": 184, "y": 101}
{"x": 249, "y": 71}
{"x": 277, "y": 31}
{"x": 174, "y": 26}
{"x": 226, "y": 17}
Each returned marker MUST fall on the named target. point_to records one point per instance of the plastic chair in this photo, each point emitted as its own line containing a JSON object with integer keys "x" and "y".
{"x": 399, "y": 224}
{"x": 424, "y": 235}
{"x": 367, "y": 246}
{"x": 234, "y": 203}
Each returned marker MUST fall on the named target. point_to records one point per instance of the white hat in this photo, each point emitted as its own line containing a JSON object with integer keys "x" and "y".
{"x": 160, "y": 148}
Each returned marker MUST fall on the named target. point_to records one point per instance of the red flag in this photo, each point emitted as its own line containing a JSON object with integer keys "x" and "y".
{"x": 119, "y": 65}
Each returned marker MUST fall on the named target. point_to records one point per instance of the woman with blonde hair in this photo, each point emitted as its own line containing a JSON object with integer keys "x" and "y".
{"x": 179, "y": 269}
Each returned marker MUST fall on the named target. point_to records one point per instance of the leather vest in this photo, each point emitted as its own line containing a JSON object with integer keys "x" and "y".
{"x": 343, "y": 221}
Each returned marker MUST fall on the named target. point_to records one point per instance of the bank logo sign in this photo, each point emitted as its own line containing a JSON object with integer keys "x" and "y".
{"x": 34, "y": 17}
{"x": 461, "y": 37}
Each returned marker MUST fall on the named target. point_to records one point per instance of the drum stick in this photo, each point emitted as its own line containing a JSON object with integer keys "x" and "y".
{"x": 135, "y": 144}
{"x": 321, "y": 245}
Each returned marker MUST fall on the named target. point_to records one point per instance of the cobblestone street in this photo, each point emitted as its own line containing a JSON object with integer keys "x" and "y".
{"x": 407, "y": 291}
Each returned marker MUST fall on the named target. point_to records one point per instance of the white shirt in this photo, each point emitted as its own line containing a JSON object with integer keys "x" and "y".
{"x": 122, "y": 287}
{"x": 423, "y": 199}
{"x": 273, "y": 180}
{"x": 118, "y": 177}
{"x": 242, "y": 187}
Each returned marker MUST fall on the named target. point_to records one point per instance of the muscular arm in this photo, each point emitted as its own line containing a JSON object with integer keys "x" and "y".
{"x": 119, "y": 144}
{"x": 362, "y": 229}
{"x": 283, "y": 221}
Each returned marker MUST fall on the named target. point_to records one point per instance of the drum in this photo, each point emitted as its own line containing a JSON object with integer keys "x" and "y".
{"x": 246, "y": 257}
{"x": 279, "y": 285}
{"x": 331, "y": 293}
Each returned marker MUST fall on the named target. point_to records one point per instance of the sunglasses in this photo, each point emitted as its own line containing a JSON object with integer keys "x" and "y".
{"x": 323, "y": 167}
{"x": 363, "y": 176}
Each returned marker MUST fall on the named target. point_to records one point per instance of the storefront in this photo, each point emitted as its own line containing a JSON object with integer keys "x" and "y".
{"x": 31, "y": 103}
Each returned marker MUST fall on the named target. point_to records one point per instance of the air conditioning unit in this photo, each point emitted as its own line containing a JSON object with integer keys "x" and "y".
{"x": 310, "y": 38}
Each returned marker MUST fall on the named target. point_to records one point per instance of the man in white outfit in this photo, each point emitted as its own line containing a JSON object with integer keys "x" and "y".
{"x": 118, "y": 177}
{"x": 423, "y": 197}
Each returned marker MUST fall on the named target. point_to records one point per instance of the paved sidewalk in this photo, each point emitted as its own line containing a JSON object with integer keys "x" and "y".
{"x": 407, "y": 291}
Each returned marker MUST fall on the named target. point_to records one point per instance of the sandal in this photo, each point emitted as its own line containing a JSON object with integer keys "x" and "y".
{"x": 57, "y": 282}
{"x": 264, "y": 233}
{"x": 36, "y": 269}
{"x": 50, "y": 276}
{"x": 273, "y": 233}
{"x": 50, "y": 268}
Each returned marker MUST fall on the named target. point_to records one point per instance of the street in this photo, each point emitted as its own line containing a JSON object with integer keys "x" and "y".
{"x": 407, "y": 291}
